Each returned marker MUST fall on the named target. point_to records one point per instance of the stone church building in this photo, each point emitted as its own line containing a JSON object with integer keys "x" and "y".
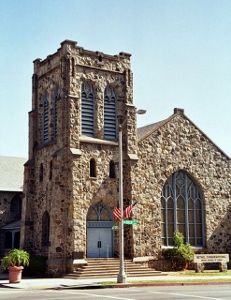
{"x": 180, "y": 179}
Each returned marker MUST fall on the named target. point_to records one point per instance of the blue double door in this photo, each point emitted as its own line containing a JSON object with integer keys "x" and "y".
{"x": 99, "y": 242}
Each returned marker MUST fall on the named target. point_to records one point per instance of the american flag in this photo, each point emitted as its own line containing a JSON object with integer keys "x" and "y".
{"x": 128, "y": 210}
{"x": 117, "y": 214}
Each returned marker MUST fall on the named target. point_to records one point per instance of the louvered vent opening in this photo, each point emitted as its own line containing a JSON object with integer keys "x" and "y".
{"x": 45, "y": 121}
{"x": 109, "y": 118}
{"x": 87, "y": 114}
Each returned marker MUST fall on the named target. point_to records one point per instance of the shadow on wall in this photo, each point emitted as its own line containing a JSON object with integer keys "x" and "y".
{"x": 220, "y": 239}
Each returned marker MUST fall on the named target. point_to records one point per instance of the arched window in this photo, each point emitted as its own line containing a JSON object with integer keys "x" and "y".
{"x": 99, "y": 212}
{"x": 112, "y": 173}
{"x": 45, "y": 118}
{"x": 16, "y": 207}
{"x": 109, "y": 114}
{"x": 45, "y": 229}
{"x": 92, "y": 168}
{"x": 88, "y": 120}
{"x": 54, "y": 99}
{"x": 41, "y": 173}
{"x": 182, "y": 210}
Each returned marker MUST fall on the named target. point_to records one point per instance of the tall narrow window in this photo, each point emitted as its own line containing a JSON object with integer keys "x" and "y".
{"x": 8, "y": 240}
{"x": 45, "y": 118}
{"x": 51, "y": 170}
{"x": 73, "y": 66}
{"x": 45, "y": 229}
{"x": 112, "y": 173}
{"x": 41, "y": 173}
{"x": 87, "y": 98}
{"x": 109, "y": 114}
{"x": 182, "y": 210}
{"x": 16, "y": 207}
{"x": 92, "y": 168}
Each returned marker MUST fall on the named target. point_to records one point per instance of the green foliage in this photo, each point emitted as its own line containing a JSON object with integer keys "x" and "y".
{"x": 178, "y": 239}
{"x": 181, "y": 254}
{"x": 16, "y": 257}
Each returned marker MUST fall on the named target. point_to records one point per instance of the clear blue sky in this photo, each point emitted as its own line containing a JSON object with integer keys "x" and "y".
{"x": 181, "y": 57}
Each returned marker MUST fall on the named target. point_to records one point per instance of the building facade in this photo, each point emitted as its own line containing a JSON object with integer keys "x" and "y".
{"x": 180, "y": 179}
{"x": 11, "y": 194}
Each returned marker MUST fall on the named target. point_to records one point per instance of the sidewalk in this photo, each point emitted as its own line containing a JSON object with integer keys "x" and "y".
{"x": 64, "y": 283}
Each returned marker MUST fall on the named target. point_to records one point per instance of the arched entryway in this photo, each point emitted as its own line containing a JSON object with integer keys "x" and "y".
{"x": 99, "y": 232}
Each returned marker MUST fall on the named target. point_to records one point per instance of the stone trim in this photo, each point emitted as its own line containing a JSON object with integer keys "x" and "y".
{"x": 87, "y": 139}
{"x": 76, "y": 151}
{"x": 101, "y": 69}
{"x": 79, "y": 262}
{"x": 142, "y": 259}
{"x": 133, "y": 156}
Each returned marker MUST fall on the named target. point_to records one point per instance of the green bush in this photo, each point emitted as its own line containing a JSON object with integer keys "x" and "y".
{"x": 181, "y": 254}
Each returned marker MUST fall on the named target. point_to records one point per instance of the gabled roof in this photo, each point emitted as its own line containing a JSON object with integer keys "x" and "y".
{"x": 145, "y": 131}
{"x": 11, "y": 173}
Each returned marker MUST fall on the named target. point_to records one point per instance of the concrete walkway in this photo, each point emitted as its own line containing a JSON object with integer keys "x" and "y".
{"x": 64, "y": 283}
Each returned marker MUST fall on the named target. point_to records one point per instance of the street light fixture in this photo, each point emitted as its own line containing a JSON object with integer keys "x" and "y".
{"x": 121, "y": 278}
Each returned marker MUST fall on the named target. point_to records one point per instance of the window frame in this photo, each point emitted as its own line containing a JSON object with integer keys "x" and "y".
{"x": 180, "y": 185}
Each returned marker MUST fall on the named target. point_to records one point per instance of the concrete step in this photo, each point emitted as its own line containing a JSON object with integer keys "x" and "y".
{"x": 106, "y": 275}
{"x": 102, "y": 268}
{"x": 109, "y": 271}
{"x": 109, "y": 267}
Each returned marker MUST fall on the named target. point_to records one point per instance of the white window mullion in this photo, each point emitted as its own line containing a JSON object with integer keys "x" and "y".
{"x": 175, "y": 202}
{"x": 186, "y": 210}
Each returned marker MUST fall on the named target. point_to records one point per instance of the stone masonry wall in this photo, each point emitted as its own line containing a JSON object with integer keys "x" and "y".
{"x": 88, "y": 191}
{"x": 178, "y": 144}
{"x": 100, "y": 70}
{"x": 70, "y": 192}
{"x": 52, "y": 194}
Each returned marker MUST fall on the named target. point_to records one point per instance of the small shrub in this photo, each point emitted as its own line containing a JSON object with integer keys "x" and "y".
{"x": 181, "y": 254}
{"x": 15, "y": 257}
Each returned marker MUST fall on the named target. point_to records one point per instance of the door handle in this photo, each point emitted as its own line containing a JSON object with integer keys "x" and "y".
{"x": 99, "y": 244}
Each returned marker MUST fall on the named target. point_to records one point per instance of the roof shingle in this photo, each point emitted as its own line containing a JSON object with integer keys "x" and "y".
{"x": 11, "y": 173}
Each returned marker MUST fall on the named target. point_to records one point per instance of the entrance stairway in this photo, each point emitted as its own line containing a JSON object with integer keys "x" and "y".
{"x": 99, "y": 268}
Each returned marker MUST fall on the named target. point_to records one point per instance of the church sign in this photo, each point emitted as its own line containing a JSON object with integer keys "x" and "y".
{"x": 201, "y": 259}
